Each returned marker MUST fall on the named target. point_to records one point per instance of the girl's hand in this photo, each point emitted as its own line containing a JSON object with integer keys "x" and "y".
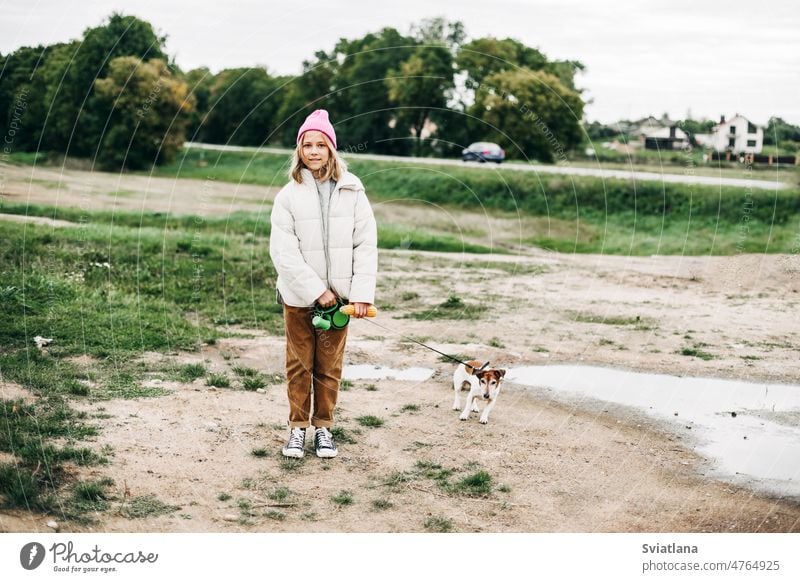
{"x": 360, "y": 310}
{"x": 327, "y": 299}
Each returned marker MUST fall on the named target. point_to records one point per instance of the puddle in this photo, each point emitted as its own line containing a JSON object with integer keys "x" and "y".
{"x": 369, "y": 372}
{"x": 750, "y": 431}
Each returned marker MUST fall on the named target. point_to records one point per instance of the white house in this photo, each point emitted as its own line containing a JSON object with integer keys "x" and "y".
{"x": 666, "y": 138}
{"x": 737, "y": 135}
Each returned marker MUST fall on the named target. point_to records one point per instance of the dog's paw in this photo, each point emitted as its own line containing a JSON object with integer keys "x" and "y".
{"x": 456, "y": 407}
{"x": 464, "y": 417}
{"x": 475, "y": 408}
{"x": 484, "y": 420}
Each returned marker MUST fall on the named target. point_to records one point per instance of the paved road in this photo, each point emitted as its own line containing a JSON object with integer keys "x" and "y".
{"x": 544, "y": 169}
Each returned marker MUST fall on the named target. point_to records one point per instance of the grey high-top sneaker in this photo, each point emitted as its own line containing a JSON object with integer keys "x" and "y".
{"x": 297, "y": 440}
{"x": 323, "y": 443}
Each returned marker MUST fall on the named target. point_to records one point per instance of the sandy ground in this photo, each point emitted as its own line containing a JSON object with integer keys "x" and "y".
{"x": 554, "y": 467}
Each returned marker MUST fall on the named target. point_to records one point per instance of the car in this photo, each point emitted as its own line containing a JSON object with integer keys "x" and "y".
{"x": 484, "y": 151}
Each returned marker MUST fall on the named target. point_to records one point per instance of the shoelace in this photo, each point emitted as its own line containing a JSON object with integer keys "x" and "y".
{"x": 296, "y": 439}
{"x": 324, "y": 439}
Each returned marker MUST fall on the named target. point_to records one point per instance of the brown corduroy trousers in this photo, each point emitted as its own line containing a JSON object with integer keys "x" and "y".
{"x": 313, "y": 368}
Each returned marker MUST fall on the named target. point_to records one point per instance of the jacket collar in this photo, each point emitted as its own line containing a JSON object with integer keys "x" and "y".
{"x": 348, "y": 181}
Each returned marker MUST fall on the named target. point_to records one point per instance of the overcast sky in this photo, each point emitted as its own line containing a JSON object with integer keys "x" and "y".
{"x": 642, "y": 56}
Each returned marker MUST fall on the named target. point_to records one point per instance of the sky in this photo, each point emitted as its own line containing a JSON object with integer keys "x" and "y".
{"x": 697, "y": 57}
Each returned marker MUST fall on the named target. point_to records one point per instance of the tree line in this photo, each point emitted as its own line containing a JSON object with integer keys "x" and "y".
{"x": 114, "y": 96}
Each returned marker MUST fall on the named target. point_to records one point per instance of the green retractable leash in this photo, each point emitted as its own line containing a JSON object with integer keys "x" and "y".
{"x": 326, "y": 318}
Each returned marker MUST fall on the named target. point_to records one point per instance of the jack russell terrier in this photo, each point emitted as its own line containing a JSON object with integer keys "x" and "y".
{"x": 483, "y": 384}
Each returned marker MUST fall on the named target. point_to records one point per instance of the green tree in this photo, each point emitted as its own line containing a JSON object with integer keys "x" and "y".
{"x": 420, "y": 87}
{"x": 200, "y": 82}
{"x": 150, "y": 110}
{"x": 359, "y": 101}
{"x": 77, "y": 117}
{"x": 486, "y": 56}
{"x": 244, "y": 105}
{"x": 301, "y": 95}
{"x": 531, "y": 114}
{"x": 778, "y": 131}
{"x": 23, "y": 84}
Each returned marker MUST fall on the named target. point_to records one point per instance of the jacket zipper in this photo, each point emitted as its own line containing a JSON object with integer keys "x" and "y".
{"x": 326, "y": 230}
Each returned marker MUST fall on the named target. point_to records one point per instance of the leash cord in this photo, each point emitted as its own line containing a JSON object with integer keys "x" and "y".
{"x": 427, "y": 346}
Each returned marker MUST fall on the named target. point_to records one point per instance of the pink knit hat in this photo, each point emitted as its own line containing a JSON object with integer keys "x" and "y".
{"x": 318, "y": 121}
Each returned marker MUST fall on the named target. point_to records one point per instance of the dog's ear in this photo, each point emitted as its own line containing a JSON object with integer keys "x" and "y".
{"x": 502, "y": 372}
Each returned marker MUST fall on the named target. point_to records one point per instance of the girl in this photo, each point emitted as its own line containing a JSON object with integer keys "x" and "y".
{"x": 324, "y": 247}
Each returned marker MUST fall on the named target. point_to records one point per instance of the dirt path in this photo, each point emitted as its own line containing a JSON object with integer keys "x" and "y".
{"x": 553, "y": 467}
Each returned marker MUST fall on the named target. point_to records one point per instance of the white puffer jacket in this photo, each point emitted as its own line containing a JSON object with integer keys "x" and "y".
{"x": 307, "y": 265}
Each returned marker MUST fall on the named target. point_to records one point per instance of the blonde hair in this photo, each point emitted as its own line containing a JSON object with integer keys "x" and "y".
{"x": 333, "y": 170}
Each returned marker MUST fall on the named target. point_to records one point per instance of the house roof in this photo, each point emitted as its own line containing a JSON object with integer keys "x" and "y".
{"x": 663, "y": 132}
{"x": 729, "y": 121}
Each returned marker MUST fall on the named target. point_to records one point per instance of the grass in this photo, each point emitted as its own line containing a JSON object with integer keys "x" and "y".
{"x": 146, "y": 506}
{"x": 608, "y": 215}
{"x": 696, "y": 352}
{"x": 382, "y": 504}
{"x": 290, "y": 464}
{"x": 218, "y": 380}
{"x": 280, "y": 494}
{"x": 260, "y": 453}
{"x": 253, "y": 383}
{"x": 637, "y": 321}
{"x": 370, "y": 421}
{"x": 438, "y": 524}
{"x": 191, "y": 372}
{"x": 410, "y": 408}
{"x": 342, "y": 435}
{"x": 345, "y": 385}
{"x": 598, "y": 215}
{"x": 476, "y": 485}
{"x": 343, "y": 498}
{"x": 452, "y": 308}
{"x": 224, "y": 497}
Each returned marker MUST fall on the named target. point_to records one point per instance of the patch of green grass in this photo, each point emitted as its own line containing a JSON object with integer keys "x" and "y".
{"x": 224, "y": 497}
{"x": 639, "y": 322}
{"x": 433, "y": 471}
{"x": 696, "y": 352}
{"x": 371, "y": 388}
{"x": 260, "y": 453}
{"x": 276, "y": 515}
{"x": 438, "y": 524}
{"x": 90, "y": 496}
{"x": 342, "y": 435}
{"x": 343, "y": 498}
{"x": 452, "y": 308}
{"x": 28, "y": 431}
{"x": 410, "y": 408}
{"x": 398, "y": 478}
{"x": 253, "y": 383}
{"x": 290, "y": 464}
{"x": 370, "y": 421}
{"x": 280, "y": 494}
{"x": 381, "y": 504}
{"x": 476, "y": 485}
{"x": 245, "y": 372}
{"x": 400, "y": 236}
{"x": 504, "y": 488}
{"x": 218, "y": 380}
{"x": 496, "y": 343}
{"x": 191, "y": 372}
{"x": 345, "y": 385}
{"x": 146, "y": 506}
